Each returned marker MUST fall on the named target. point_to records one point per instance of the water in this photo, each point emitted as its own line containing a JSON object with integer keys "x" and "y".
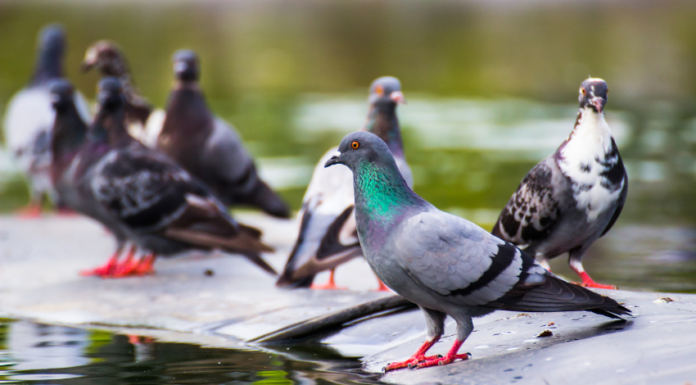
{"x": 48, "y": 354}
{"x": 491, "y": 89}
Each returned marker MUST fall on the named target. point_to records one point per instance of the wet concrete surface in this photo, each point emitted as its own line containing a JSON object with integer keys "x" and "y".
{"x": 40, "y": 260}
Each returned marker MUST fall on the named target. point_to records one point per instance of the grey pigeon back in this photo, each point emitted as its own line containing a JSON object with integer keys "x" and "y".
{"x": 209, "y": 148}
{"x": 443, "y": 263}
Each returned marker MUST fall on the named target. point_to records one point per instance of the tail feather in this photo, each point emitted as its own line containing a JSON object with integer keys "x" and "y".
{"x": 555, "y": 294}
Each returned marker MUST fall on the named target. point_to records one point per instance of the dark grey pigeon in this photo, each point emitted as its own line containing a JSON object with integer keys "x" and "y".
{"x": 143, "y": 196}
{"x": 574, "y": 196}
{"x": 443, "y": 263}
{"x": 29, "y": 117}
{"x": 208, "y": 147}
{"x": 144, "y": 122}
{"x": 327, "y": 236}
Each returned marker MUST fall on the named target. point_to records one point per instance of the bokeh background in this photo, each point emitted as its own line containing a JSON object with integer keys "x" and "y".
{"x": 491, "y": 89}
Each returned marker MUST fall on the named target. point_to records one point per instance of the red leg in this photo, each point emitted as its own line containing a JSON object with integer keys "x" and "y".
{"x": 106, "y": 269}
{"x": 449, "y": 358}
{"x": 587, "y": 281}
{"x": 30, "y": 211}
{"x": 416, "y": 358}
{"x": 144, "y": 266}
{"x": 126, "y": 267}
{"x": 331, "y": 285}
{"x": 576, "y": 266}
{"x": 382, "y": 286}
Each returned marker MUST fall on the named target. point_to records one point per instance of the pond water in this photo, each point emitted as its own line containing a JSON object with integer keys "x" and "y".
{"x": 491, "y": 89}
{"x": 47, "y": 354}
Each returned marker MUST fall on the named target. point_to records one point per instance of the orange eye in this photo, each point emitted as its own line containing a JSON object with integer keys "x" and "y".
{"x": 582, "y": 90}
{"x": 355, "y": 145}
{"x": 379, "y": 90}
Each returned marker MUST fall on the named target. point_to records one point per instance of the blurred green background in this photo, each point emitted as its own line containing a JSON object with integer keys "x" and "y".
{"x": 491, "y": 89}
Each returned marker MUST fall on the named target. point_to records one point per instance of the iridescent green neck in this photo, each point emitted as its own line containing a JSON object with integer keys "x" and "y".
{"x": 381, "y": 194}
{"x": 383, "y": 122}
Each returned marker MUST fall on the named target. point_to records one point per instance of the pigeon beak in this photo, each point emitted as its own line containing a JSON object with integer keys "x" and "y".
{"x": 598, "y": 103}
{"x": 86, "y": 66}
{"x": 335, "y": 159}
{"x": 398, "y": 97}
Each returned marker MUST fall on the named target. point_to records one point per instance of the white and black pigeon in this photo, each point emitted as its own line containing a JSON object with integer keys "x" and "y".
{"x": 208, "y": 147}
{"x": 574, "y": 196}
{"x": 443, "y": 263}
{"x": 144, "y": 121}
{"x": 327, "y": 235}
{"x": 30, "y": 116}
{"x": 140, "y": 194}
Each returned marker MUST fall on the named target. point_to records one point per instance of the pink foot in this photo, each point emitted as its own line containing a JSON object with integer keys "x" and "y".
{"x": 31, "y": 211}
{"x": 331, "y": 285}
{"x": 589, "y": 282}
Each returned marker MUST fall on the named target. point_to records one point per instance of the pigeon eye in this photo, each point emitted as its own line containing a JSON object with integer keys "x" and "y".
{"x": 582, "y": 91}
{"x": 379, "y": 90}
{"x": 355, "y": 145}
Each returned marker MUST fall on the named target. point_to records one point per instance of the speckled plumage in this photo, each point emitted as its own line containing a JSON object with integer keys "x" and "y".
{"x": 143, "y": 196}
{"x": 574, "y": 196}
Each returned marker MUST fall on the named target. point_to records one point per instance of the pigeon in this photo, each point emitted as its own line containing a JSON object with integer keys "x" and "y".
{"x": 141, "y": 195}
{"x": 29, "y": 118}
{"x": 574, "y": 196}
{"x": 443, "y": 263}
{"x": 208, "y": 147}
{"x": 327, "y": 236}
{"x": 144, "y": 121}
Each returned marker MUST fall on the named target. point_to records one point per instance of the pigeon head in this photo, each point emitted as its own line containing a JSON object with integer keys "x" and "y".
{"x": 359, "y": 147}
{"x": 52, "y": 39}
{"x": 186, "y": 66}
{"x": 61, "y": 93}
{"x": 386, "y": 91}
{"x": 107, "y": 57}
{"x": 593, "y": 94}
{"x": 110, "y": 94}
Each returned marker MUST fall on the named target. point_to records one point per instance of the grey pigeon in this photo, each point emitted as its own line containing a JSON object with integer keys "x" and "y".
{"x": 208, "y": 147}
{"x": 140, "y": 194}
{"x": 445, "y": 264}
{"x": 574, "y": 196}
{"x": 327, "y": 236}
{"x": 29, "y": 117}
{"x": 144, "y": 121}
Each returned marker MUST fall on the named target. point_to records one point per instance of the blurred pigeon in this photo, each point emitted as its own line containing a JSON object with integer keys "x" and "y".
{"x": 327, "y": 236}
{"x": 29, "y": 117}
{"x": 443, "y": 263}
{"x": 143, "y": 196}
{"x": 208, "y": 147}
{"x": 144, "y": 122}
{"x": 574, "y": 196}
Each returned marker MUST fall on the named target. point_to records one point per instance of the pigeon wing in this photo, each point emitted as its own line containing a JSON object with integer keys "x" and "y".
{"x": 458, "y": 260}
{"x": 455, "y": 258}
{"x": 533, "y": 211}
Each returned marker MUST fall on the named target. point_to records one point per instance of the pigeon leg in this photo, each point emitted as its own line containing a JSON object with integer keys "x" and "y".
{"x": 125, "y": 268}
{"x": 575, "y": 263}
{"x": 448, "y": 358}
{"x": 331, "y": 285}
{"x": 105, "y": 269}
{"x": 144, "y": 266}
{"x": 382, "y": 286}
{"x": 416, "y": 358}
{"x": 30, "y": 211}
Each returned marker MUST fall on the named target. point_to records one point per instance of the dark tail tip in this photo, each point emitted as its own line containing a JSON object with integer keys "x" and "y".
{"x": 269, "y": 201}
{"x": 286, "y": 282}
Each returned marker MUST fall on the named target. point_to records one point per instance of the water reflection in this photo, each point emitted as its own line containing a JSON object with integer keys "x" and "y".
{"x": 36, "y": 353}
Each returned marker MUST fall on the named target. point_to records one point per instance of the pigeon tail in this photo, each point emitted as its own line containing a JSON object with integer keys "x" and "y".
{"x": 555, "y": 294}
{"x": 263, "y": 197}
